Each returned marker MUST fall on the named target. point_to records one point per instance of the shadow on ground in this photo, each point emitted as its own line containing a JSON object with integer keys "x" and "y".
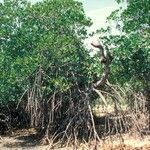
{"x": 20, "y": 138}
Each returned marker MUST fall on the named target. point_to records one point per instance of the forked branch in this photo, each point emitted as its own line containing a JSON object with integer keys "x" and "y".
{"x": 105, "y": 60}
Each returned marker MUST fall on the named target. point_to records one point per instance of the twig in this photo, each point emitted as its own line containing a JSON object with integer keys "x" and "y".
{"x": 101, "y": 96}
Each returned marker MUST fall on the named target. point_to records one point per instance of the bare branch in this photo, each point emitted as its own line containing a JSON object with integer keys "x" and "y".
{"x": 106, "y": 61}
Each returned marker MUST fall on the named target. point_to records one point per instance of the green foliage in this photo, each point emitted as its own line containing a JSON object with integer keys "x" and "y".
{"x": 131, "y": 47}
{"x": 47, "y": 35}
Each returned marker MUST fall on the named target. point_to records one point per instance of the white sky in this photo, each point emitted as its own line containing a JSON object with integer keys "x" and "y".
{"x": 99, "y": 10}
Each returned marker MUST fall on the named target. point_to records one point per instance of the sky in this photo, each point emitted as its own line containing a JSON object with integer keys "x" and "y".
{"x": 98, "y": 11}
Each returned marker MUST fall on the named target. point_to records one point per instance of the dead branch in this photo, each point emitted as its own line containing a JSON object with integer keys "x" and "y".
{"x": 105, "y": 61}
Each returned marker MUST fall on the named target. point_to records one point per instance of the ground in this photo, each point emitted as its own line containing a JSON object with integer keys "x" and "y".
{"x": 25, "y": 139}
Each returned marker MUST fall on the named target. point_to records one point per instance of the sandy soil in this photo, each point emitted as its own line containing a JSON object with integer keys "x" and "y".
{"x": 21, "y": 140}
{"x": 25, "y": 139}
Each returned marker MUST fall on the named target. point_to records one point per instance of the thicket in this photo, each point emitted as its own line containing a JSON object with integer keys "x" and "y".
{"x": 48, "y": 73}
